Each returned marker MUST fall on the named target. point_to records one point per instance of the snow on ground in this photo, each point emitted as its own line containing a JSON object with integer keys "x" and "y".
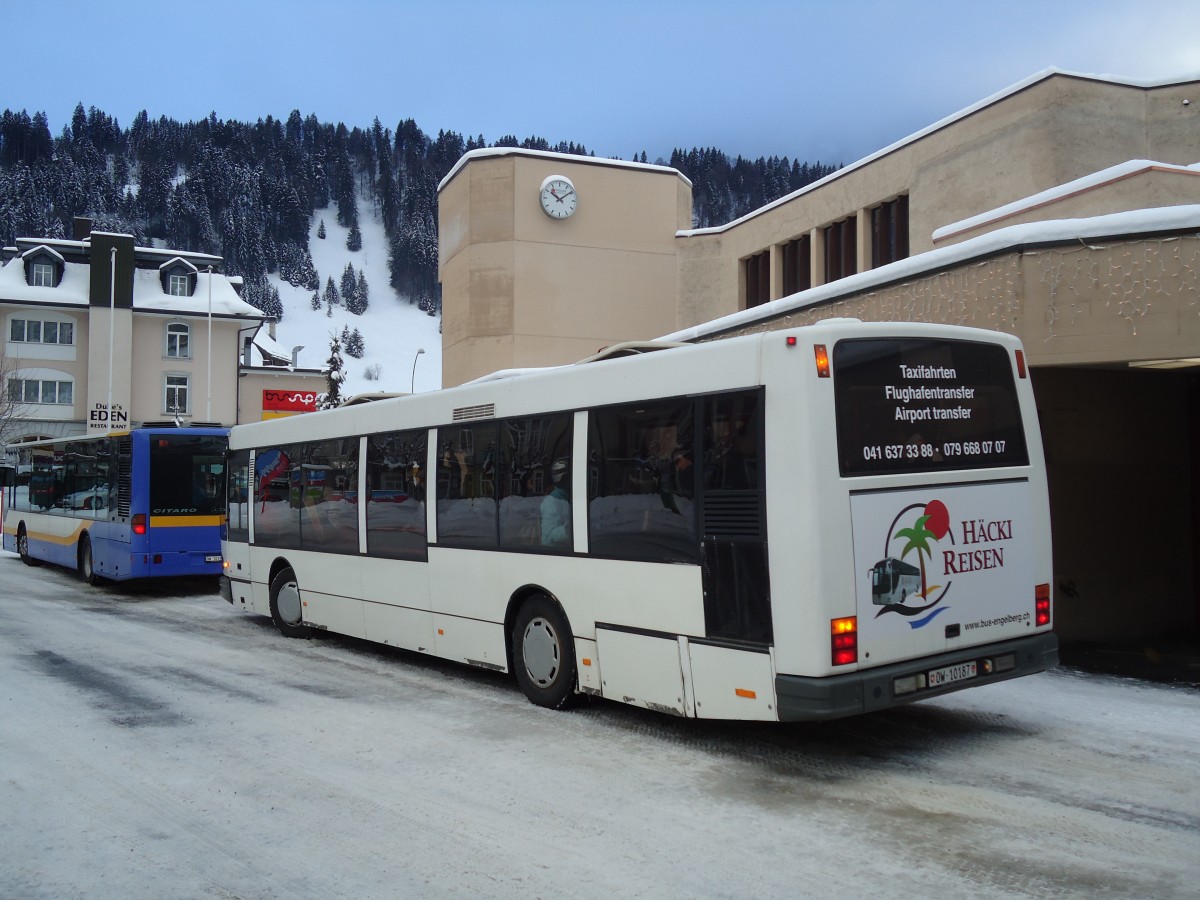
{"x": 155, "y": 742}
{"x": 392, "y": 328}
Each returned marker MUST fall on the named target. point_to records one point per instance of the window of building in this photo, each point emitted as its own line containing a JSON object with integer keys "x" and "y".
{"x": 889, "y": 232}
{"x": 179, "y": 341}
{"x": 841, "y": 249}
{"x": 41, "y": 390}
{"x": 758, "y": 278}
{"x": 176, "y": 394}
{"x": 797, "y": 265}
{"x": 36, "y": 331}
{"x": 43, "y": 274}
{"x": 177, "y": 285}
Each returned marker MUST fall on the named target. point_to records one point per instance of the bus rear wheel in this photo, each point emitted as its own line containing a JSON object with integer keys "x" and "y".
{"x": 87, "y": 567}
{"x": 544, "y": 654}
{"x": 23, "y": 547}
{"x": 287, "y": 612}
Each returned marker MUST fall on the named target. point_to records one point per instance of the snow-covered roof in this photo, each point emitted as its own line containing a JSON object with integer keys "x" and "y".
{"x": 148, "y": 294}
{"x": 178, "y": 260}
{"x": 214, "y": 294}
{"x": 937, "y": 126}
{"x": 42, "y": 248}
{"x": 1063, "y": 191}
{"x": 1123, "y": 224}
{"x": 270, "y": 349}
{"x": 72, "y": 289}
{"x": 487, "y": 152}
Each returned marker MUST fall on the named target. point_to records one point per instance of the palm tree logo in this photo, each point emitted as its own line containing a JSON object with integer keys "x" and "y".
{"x": 931, "y": 525}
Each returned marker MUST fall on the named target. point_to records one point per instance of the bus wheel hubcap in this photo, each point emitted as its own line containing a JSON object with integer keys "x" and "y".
{"x": 288, "y": 603}
{"x": 540, "y": 651}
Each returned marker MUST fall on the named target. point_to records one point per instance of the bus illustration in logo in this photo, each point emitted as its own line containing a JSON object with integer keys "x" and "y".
{"x": 901, "y": 585}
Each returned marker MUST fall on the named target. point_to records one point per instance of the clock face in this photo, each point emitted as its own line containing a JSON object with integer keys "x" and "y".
{"x": 558, "y": 197}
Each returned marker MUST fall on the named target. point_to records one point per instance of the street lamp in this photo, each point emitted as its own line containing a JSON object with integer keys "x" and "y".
{"x": 412, "y": 386}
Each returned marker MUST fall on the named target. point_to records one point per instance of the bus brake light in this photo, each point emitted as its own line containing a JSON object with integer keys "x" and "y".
{"x": 822, "y": 360}
{"x": 1041, "y": 605}
{"x": 844, "y": 640}
{"x": 139, "y": 523}
{"x": 1021, "y": 373}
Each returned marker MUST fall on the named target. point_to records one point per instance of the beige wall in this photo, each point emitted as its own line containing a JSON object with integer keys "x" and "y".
{"x": 1052, "y": 131}
{"x": 522, "y": 289}
{"x": 1077, "y": 304}
{"x": 147, "y": 354}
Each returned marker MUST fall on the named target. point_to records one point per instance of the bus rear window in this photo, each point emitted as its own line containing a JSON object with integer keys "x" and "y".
{"x": 922, "y": 405}
{"x": 187, "y": 475}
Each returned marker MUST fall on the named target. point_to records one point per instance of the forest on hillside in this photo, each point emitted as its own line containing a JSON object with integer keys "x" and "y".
{"x": 247, "y": 192}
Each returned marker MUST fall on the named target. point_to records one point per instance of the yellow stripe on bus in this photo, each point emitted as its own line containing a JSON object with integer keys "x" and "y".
{"x": 61, "y": 539}
{"x": 184, "y": 521}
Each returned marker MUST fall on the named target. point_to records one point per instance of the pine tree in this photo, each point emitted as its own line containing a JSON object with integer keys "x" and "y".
{"x": 335, "y": 376}
{"x": 363, "y": 292}
{"x": 316, "y": 300}
{"x": 354, "y": 343}
{"x": 321, "y": 230}
{"x": 331, "y": 297}
{"x": 349, "y": 287}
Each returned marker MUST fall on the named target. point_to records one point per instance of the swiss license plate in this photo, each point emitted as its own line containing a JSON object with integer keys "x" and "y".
{"x": 950, "y": 674}
{"x": 212, "y": 559}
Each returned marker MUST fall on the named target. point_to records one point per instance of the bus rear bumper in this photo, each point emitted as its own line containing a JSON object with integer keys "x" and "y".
{"x": 802, "y": 699}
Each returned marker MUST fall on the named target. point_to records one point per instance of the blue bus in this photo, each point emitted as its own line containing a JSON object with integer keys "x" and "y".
{"x": 147, "y": 503}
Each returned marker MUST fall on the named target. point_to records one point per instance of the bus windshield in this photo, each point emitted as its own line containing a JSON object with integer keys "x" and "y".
{"x": 187, "y": 475}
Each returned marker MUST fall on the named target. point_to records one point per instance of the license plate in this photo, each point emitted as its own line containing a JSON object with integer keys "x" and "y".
{"x": 212, "y": 559}
{"x": 950, "y": 674}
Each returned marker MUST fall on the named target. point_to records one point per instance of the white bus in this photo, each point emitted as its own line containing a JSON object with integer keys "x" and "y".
{"x": 692, "y": 530}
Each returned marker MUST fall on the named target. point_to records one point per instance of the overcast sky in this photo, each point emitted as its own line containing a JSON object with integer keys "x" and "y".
{"x": 830, "y": 81}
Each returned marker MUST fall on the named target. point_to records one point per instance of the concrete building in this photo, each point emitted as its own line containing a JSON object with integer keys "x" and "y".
{"x": 102, "y": 335}
{"x": 1065, "y": 209}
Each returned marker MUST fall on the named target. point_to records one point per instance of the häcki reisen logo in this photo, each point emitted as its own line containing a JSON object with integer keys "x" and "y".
{"x": 901, "y": 587}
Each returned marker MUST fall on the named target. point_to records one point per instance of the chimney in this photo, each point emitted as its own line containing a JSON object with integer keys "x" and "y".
{"x": 82, "y": 228}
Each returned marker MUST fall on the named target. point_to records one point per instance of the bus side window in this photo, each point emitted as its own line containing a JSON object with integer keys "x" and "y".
{"x": 396, "y": 494}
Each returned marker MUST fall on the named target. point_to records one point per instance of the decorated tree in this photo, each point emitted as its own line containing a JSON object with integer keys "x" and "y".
{"x": 335, "y": 376}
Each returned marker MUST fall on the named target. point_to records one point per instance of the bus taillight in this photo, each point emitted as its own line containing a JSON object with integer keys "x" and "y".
{"x": 1041, "y": 604}
{"x": 1021, "y": 373}
{"x": 139, "y": 523}
{"x": 844, "y": 640}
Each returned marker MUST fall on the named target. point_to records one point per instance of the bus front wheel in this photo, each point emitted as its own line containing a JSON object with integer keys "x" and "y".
{"x": 23, "y": 547}
{"x": 287, "y": 612}
{"x": 87, "y": 567}
{"x": 544, "y": 653}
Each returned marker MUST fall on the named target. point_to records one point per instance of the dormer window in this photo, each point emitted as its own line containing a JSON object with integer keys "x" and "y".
{"x": 43, "y": 267}
{"x": 178, "y": 277}
{"x": 178, "y": 340}
{"x": 43, "y": 274}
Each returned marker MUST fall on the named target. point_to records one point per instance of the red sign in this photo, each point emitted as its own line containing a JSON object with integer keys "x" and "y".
{"x": 288, "y": 403}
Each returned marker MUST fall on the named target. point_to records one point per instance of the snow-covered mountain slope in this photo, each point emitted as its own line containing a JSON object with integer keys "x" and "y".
{"x": 393, "y": 330}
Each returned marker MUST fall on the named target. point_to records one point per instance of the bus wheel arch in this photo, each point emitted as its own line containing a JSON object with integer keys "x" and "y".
{"x": 541, "y": 648}
{"x": 287, "y": 608}
{"x": 85, "y": 561}
{"x": 23, "y": 546}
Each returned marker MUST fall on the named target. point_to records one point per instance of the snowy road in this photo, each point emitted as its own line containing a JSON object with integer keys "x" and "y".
{"x": 168, "y": 746}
